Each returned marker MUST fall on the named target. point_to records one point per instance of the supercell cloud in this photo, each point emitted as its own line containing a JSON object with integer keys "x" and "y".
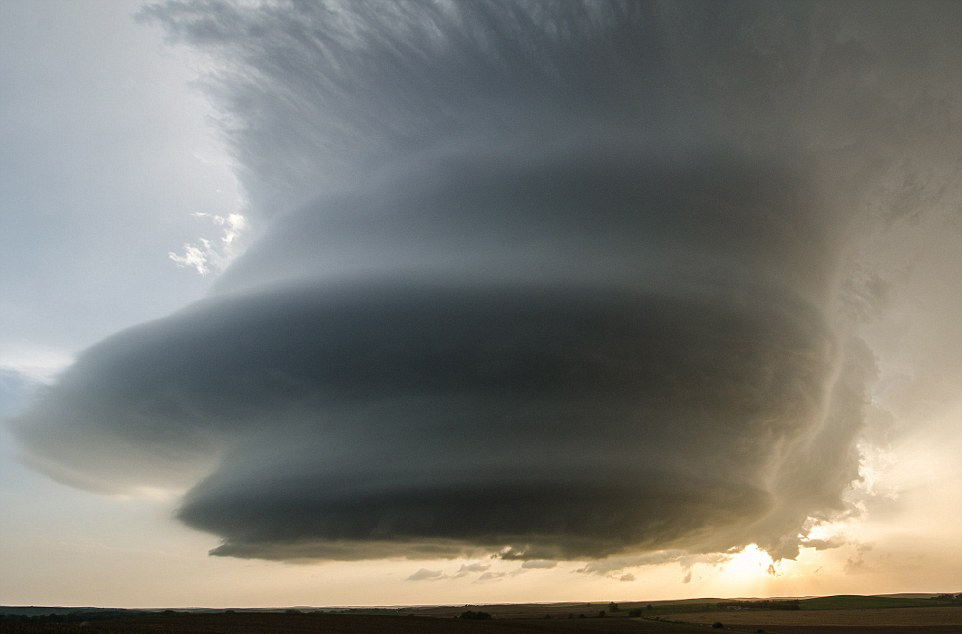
{"x": 548, "y": 280}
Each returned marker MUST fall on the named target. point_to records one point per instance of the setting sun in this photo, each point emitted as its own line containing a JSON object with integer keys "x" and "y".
{"x": 749, "y": 564}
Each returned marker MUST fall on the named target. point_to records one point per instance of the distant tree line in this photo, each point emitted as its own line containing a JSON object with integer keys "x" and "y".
{"x": 471, "y": 615}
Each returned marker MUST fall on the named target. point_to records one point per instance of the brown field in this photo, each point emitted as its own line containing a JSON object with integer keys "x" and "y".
{"x": 899, "y": 620}
{"x": 930, "y": 620}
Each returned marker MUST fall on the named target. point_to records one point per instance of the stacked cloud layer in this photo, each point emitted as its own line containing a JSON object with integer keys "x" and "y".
{"x": 551, "y": 280}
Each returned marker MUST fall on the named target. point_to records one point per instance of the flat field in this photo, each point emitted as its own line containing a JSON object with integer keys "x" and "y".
{"x": 925, "y": 620}
{"x": 322, "y": 623}
{"x": 929, "y": 620}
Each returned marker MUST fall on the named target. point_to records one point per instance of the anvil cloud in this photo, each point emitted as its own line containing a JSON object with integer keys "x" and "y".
{"x": 548, "y": 280}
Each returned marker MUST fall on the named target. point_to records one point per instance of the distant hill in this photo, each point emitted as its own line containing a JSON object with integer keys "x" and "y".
{"x": 860, "y": 602}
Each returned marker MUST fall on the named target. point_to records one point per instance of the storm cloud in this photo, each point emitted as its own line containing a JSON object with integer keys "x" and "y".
{"x": 544, "y": 280}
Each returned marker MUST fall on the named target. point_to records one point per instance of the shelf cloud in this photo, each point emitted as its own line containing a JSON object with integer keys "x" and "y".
{"x": 547, "y": 281}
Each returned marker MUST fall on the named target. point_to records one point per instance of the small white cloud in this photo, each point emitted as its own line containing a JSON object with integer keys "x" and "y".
{"x": 424, "y": 574}
{"x": 206, "y": 256}
{"x": 491, "y": 576}
{"x": 193, "y": 257}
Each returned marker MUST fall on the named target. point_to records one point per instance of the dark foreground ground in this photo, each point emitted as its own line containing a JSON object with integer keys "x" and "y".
{"x": 948, "y": 622}
{"x": 262, "y": 623}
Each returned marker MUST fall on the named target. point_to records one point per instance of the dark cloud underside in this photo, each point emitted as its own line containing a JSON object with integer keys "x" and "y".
{"x": 407, "y": 413}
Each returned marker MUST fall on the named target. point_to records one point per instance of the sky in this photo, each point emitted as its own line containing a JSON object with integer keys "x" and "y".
{"x": 365, "y": 303}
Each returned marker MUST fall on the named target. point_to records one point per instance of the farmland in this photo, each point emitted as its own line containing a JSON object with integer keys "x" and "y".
{"x": 822, "y": 615}
{"x": 325, "y": 623}
{"x": 897, "y": 620}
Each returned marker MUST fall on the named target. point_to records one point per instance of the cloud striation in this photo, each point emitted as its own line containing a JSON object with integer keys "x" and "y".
{"x": 549, "y": 280}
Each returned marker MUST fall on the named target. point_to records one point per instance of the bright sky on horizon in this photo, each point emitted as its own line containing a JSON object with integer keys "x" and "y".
{"x": 364, "y": 303}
